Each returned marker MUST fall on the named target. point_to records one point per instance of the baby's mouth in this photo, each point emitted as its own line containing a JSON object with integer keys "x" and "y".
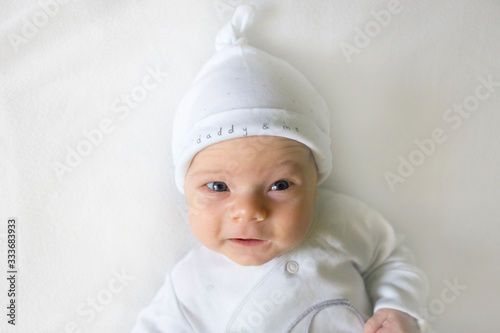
{"x": 248, "y": 241}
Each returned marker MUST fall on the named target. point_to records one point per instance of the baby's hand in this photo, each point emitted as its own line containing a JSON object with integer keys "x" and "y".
{"x": 389, "y": 320}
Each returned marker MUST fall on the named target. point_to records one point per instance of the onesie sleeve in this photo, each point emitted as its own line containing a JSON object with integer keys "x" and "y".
{"x": 163, "y": 315}
{"x": 391, "y": 276}
{"x": 388, "y": 268}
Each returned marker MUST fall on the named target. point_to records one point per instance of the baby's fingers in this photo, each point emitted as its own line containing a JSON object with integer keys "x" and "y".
{"x": 375, "y": 322}
{"x": 391, "y": 321}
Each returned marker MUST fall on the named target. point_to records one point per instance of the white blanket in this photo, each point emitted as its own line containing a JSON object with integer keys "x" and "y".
{"x": 87, "y": 94}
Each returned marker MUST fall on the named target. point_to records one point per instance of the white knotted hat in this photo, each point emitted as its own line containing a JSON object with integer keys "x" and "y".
{"x": 244, "y": 91}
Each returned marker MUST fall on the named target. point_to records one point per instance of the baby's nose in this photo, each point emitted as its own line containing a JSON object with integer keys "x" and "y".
{"x": 247, "y": 208}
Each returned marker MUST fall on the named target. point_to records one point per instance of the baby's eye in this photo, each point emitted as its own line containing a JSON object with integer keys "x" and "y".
{"x": 217, "y": 186}
{"x": 280, "y": 185}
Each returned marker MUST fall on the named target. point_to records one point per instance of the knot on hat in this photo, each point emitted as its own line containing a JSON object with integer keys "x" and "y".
{"x": 233, "y": 32}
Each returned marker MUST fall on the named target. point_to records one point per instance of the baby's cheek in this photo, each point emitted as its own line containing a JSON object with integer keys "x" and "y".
{"x": 197, "y": 205}
{"x": 200, "y": 226}
{"x": 300, "y": 233}
{"x": 204, "y": 217}
{"x": 293, "y": 227}
{"x": 304, "y": 222}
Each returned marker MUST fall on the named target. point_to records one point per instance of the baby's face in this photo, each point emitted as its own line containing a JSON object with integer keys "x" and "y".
{"x": 251, "y": 199}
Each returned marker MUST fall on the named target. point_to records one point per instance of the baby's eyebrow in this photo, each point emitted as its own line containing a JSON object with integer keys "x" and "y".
{"x": 209, "y": 172}
{"x": 288, "y": 163}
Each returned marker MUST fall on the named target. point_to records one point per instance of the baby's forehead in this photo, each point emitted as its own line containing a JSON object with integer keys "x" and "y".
{"x": 275, "y": 152}
{"x": 254, "y": 158}
{"x": 257, "y": 150}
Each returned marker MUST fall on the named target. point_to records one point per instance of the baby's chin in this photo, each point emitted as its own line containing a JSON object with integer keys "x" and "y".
{"x": 251, "y": 259}
{"x": 260, "y": 255}
{"x": 245, "y": 261}
{"x": 248, "y": 259}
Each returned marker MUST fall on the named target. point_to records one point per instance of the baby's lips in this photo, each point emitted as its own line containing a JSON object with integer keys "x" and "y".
{"x": 249, "y": 241}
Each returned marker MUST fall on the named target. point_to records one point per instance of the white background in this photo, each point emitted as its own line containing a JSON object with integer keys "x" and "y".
{"x": 66, "y": 70}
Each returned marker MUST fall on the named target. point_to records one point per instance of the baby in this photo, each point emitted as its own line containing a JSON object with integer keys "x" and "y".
{"x": 278, "y": 254}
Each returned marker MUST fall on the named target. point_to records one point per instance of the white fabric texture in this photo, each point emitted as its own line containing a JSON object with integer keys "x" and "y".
{"x": 93, "y": 86}
{"x": 244, "y": 91}
{"x": 350, "y": 253}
